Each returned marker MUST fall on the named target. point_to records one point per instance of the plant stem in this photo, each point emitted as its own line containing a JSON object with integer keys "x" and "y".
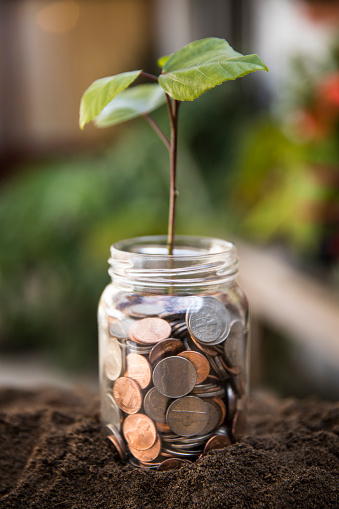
{"x": 149, "y": 76}
{"x": 173, "y": 113}
{"x": 172, "y": 146}
{"x": 159, "y": 132}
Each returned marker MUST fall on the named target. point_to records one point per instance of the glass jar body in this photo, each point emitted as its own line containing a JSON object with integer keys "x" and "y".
{"x": 173, "y": 350}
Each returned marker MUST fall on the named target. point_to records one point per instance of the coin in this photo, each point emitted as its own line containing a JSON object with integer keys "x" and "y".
{"x": 119, "y": 328}
{"x": 165, "y": 348}
{"x": 231, "y": 401}
{"x": 174, "y": 377}
{"x": 217, "y": 442}
{"x": 127, "y": 395}
{"x": 139, "y": 369}
{"x": 155, "y": 405}
{"x": 208, "y": 321}
{"x": 235, "y": 345}
{"x": 171, "y": 463}
{"x": 149, "y": 330}
{"x": 187, "y": 416}
{"x": 215, "y": 416}
{"x": 139, "y": 431}
{"x": 200, "y": 363}
{"x": 116, "y": 439}
{"x": 147, "y": 454}
{"x": 208, "y": 350}
{"x": 162, "y": 427}
{"x": 142, "y": 310}
{"x": 239, "y": 426}
{"x": 167, "y": 451}
{"x": 238, "y": 385}
{"x": 113, "y": 360}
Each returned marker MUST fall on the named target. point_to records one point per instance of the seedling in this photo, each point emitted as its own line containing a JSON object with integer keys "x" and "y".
{"x": 185, "y": 76}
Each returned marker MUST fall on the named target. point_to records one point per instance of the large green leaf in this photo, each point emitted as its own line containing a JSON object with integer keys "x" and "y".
{"x": 101, "y": 92}
{"x": 131, "y": 103}
{"x": 202, "y": 65}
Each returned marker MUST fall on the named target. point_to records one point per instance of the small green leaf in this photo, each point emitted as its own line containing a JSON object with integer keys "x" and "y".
{"x": 101, "y": 92}
{"x": 131, "y": 103}
{"x": 203, "y": 64}
{"x": 162, "y": 60}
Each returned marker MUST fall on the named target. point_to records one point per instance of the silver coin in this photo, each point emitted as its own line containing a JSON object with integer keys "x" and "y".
{"x": 119, "y": 328}
{"x": 235, "y": 344}
{"x": 214, "y": 416}
{"x": 174, "y": 377}
{"x": 155, "y": 405}
{"x": 187, "y": 416}
{"x": 112, "y": 360}
{"x": 179, "y": 454}
{"x": 142, "y": 310}
{"x": 208, "y": 321}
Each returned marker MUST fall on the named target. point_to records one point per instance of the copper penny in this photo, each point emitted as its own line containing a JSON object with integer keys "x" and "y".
{"x": 162, "y": 427}
{"x": 200, "y": 363}
{"x": 116, "y": 444}
{"x": 209, "y": 350}
{"x": 171, "y": 463}
{"x": 127, "y": 395}
{"x": 165, "y": 348}
{"x": 217, "y": 442}
{"x": 149, "y": 330}
{"x": 239, "y": 426}
{"x": 139, "y": 369}
{"x": 187, "y": 416}
{"x": 230, "y": 370}
{"x": 139, "y": 431}
{"x": 239, "y": 385}
{"x": 155, "y": 405}
{"x": 174, "y": 377}
{"x": 147, "y": 454}
{"x": 116, "y": 439}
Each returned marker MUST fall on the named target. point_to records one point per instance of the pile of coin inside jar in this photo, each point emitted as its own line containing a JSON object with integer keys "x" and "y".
{"x": 173, "y": 369}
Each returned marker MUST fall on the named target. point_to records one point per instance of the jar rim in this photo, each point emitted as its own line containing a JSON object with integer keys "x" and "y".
{"x": 193, "y": 247}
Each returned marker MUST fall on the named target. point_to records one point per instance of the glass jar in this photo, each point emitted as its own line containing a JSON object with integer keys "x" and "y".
{"x": 173, "y": 350}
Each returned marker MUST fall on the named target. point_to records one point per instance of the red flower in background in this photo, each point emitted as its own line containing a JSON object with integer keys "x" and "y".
{"x": 318, "y": 120}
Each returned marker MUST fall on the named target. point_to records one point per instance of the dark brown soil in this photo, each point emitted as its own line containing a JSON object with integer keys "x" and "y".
{"x": 53, "y": 455}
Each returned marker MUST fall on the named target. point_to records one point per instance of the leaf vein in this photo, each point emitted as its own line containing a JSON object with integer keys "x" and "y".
{"x": 199, "y": 70}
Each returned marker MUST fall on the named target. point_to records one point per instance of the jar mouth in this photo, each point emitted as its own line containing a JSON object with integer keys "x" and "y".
{"x": 185, "y": 246}
{"x": 145, "y": 262}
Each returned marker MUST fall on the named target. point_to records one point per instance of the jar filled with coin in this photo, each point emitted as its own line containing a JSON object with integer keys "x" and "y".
{"x": 173, "y": 349}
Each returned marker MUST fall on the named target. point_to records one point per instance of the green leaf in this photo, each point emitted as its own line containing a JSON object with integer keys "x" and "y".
{"x": 101, "y": 92}
{"x": 162, "y": 60}
{"x": 203, "y": 64}
{"x": 131, "y": 103}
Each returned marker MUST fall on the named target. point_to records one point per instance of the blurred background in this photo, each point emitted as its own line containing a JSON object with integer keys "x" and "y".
{"x": 258, "y": 164}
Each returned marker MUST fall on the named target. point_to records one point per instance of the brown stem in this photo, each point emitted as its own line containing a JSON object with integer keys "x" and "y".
{"x": 149, "y": 76}
{"x": 173, "y": 112}
{"x": 157, "y": 129}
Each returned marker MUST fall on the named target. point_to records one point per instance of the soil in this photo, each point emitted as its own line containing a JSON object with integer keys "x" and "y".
{"x": 53, "y": 455}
